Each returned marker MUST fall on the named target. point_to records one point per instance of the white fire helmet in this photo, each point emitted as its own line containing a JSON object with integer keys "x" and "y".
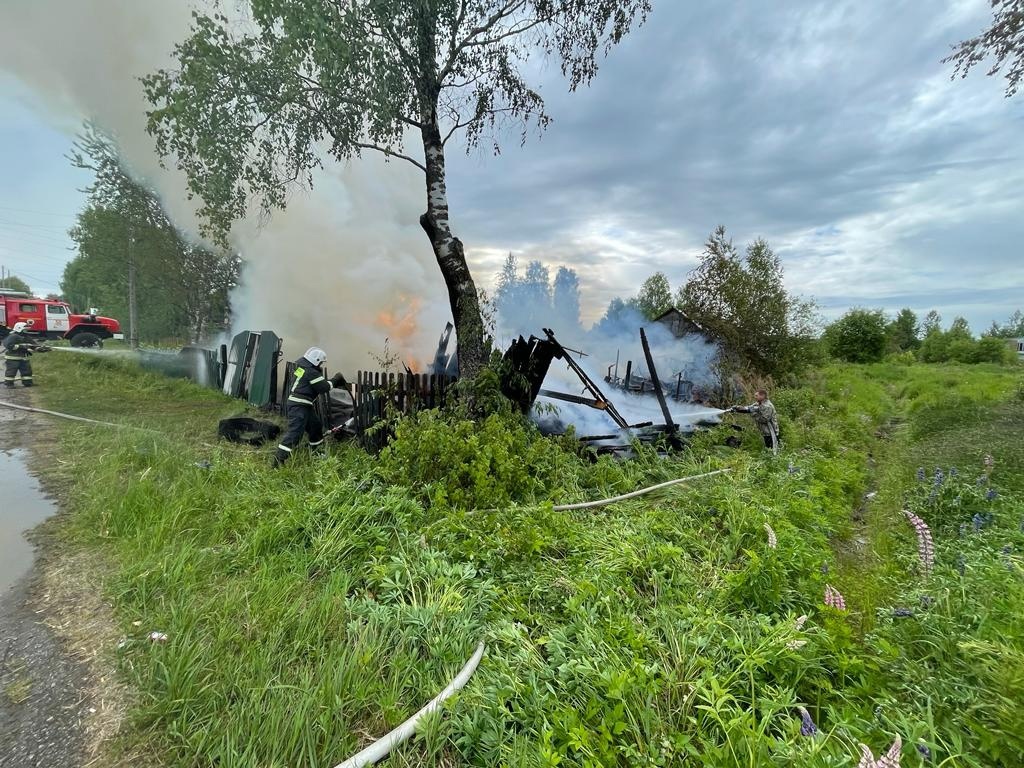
{"x": 19, "y": 327}
{"x": 316, "y": 356}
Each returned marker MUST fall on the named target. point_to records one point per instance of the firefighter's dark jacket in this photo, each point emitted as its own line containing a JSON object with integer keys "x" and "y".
{"x": 308, "y": 382}
{"x": 18, "y": 346}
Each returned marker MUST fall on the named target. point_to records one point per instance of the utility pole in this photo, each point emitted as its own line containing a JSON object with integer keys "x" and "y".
{"x": 133, "y": 334}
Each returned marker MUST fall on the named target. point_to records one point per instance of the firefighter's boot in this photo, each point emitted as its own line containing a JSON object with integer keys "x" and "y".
{"x": 280, "y": 457}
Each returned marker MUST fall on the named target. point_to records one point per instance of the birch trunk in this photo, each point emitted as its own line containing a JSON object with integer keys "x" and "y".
{"x": 451, "y": 257}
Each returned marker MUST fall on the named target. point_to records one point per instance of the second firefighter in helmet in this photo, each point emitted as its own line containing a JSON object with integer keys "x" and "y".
{"x": 308, "y": 382}
{"x": 18, "y": 348}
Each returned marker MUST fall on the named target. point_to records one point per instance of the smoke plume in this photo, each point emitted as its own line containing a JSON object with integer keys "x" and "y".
{"x": 344, "y": 267}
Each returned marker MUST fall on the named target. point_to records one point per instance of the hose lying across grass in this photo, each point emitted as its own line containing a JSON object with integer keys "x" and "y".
{"x": 69, "y": 416}
{"x": 641, "y": 492}
{"x": 380, "y": 748}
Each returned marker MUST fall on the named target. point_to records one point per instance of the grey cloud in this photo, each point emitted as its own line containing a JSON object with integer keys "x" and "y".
{"x": 774, "y": 123}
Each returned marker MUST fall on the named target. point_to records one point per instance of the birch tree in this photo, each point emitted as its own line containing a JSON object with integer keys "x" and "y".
{"x": 255, "y": 105}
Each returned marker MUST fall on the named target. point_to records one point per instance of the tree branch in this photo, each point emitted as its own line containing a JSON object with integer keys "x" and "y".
{"x": 502, "y": 13}
{"x": 390, "y": 153}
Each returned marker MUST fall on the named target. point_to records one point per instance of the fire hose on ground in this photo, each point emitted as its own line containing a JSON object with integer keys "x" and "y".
{"x": 71, "y": 417}
{"x": 633, "y": 494}
{"x": 383, "y": 746}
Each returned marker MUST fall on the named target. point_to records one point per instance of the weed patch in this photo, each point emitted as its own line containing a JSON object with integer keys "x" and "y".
{"x": 309, "y": 610}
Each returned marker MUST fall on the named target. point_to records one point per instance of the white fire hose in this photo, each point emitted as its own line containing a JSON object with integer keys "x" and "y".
{"x": 641, "y": 492}
{"x": 72, "y": 418}
{"x": 383, "y": 746}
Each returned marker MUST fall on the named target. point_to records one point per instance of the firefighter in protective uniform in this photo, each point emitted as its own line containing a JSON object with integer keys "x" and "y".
{"x": 18, "y": 349}
{"x": 309, "y": 382}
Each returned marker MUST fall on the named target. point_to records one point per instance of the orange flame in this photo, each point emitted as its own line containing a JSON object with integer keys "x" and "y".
{"x": 400, "y": 325}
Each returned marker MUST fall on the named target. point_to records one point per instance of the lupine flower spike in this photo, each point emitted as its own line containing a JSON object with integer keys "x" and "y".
{"x": 807, "y": 726}
{"x": 890, "y": 759}
{"x": 925, "y": 546}
{"x": 796, "y": 645}
{"x": 833, "y": 598}
{"x": 772, "y": 541}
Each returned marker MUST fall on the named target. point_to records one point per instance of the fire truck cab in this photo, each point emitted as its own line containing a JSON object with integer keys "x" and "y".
{"x": 54, "y": 320}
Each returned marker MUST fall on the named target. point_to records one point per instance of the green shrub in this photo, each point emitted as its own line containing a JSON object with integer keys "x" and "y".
{"x": 859, "y": 336}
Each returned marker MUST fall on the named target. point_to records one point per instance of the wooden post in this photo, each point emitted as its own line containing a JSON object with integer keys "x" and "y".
{"x": 656, "y": 381}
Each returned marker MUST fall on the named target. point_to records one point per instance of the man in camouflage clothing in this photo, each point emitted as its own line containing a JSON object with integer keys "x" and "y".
{"x": 765, "y": 418}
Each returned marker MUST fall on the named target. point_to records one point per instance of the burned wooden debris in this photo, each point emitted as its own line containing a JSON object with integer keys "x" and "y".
{"x": 527, "y": 362}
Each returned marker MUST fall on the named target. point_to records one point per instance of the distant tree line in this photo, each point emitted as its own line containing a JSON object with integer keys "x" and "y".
{"x": 182, "y": 288}
{"x": 525, "y": 303}
{"x": 14, "y": 283}
{"x": 866, "y": 336}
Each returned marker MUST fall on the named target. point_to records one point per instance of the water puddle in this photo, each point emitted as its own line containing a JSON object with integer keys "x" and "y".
{"x": 23, "y": 505}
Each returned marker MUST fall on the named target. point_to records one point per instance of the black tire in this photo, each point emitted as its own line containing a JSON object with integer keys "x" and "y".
{"x": 246, "y": 431}
{"x": 86, "y": 339}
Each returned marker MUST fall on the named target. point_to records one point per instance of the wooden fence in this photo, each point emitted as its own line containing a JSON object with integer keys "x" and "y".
{"x": 372, "y": 391}
{"x": 377, "y": 392}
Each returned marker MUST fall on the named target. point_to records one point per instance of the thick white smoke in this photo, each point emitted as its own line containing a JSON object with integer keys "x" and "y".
{"x": 344, "y": 267}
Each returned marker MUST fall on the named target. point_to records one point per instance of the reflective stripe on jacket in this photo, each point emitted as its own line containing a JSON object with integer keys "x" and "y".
{"x": 308, "y": 383}
{"x": 17, "y": 346}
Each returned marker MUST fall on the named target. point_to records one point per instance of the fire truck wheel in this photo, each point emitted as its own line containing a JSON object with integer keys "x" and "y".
{"x": 86, "y": 339}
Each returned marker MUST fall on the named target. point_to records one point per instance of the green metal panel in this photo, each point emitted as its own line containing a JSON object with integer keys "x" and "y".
{"x": 238, "y": 359}
{"x": 263, "y": 369}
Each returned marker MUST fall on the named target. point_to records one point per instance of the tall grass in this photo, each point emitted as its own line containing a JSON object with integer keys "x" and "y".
{"x": 311, "y": 609}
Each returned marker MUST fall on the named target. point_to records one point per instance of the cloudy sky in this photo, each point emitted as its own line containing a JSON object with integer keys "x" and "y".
{"x": 832, "y": 129}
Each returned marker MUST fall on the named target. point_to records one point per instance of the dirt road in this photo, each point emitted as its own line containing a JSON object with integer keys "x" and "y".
{"x": 43, "y": 700}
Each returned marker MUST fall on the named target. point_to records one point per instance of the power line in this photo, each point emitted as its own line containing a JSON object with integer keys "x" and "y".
{"x": 29, "y": 225}
{"x": 39, "y": 213}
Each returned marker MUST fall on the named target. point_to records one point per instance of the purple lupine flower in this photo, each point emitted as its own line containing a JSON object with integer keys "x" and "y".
{"x": 939, "y": 476}
{"x": 920, "y": 474}
{"x": 927, "y": 601}
{"x": 807, "y": 726}
{"x": 925, "y": 545}
{"x": 902, "y": 613}
{"x": 978, "y": 522}
{"x": 824, "y": 567}
{"x": 924, "y": 752}
{"x": 1007, "y": 549}
{"x": 952, "y": 472}
{"x": 982, "y": 481}
{"x": 773, "y": 542}
{"x": 833, "y": 598}
{"x": 991, "y": 495}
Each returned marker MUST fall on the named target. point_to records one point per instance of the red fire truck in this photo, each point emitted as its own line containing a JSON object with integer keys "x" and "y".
{"x": 54, "y": 320}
